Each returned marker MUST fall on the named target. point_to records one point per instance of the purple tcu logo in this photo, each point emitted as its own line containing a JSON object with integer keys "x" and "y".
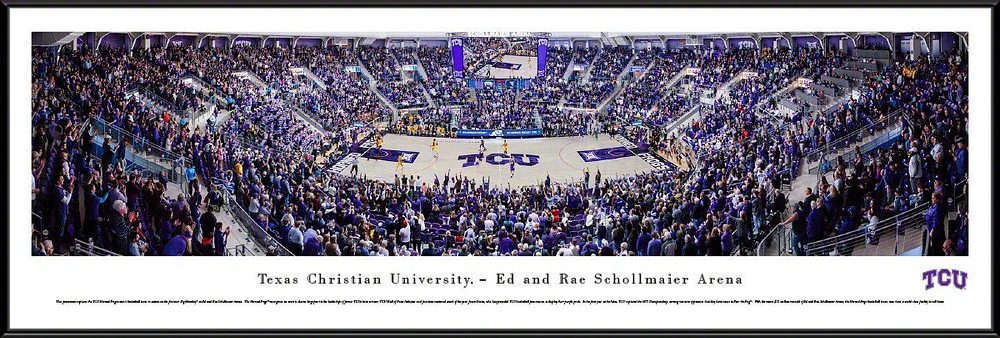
{"x": 391, "y": 155}
{"x": 945, "y": 277}
{"x": 604, "y": 154}
{"x": 499, "y": 159}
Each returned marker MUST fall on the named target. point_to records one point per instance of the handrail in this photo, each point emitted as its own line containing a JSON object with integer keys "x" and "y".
{"x": 175, "y": 163}
{"x": 862, "y": 229}
{"x": 259, "y": 235}
{"x": 900, "y": 222}
{"x": 202, "y": 82}
{"x": 825, "y": 165}
{"x": 143, "y": 145}
{"x": 167, "y": 105}
{"x": 852, "y": 137}
{"x": 239, "y": 250}
{"x": 81, "y": 248}
{"x": 209, "y": 91}
{"x": 781, "y": 235}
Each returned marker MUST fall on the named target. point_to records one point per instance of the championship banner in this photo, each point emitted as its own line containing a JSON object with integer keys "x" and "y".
{"x": 510, "y": 133}
{"x": 456, "y": 56}
{"x": 543, "y": 49}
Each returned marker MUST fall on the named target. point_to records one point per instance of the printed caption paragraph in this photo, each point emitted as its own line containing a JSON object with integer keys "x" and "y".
{"x": 505, "y": 302}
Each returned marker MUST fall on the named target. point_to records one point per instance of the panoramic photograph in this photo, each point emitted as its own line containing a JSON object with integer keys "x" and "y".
{"x": 499, "y": 144}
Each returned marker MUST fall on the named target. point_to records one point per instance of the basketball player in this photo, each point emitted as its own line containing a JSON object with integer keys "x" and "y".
{"x": 482, "y": 151}
{"x": 434, "y": 147}
{"x": 378, "y": 146}
{"x": 512, "y": 169}
{"x": 505, "y": 147}
{"x": 399, "y": 163}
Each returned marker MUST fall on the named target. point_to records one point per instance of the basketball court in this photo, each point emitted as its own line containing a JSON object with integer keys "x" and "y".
{"x": 510, "y": 67}
{"x": 562, "y": 158}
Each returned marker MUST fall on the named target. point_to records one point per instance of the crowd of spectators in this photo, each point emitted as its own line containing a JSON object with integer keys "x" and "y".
{"x": 425, "y": 122}
{"x": 405, "y": 55}
{"x": 82, "y": 187}
{"x": 610, "y": 63}
{"x": 266, "y": 158}
{"x": 529, "y": 49}
{"x": 926, "y": 166}
{"x": 441, "y": 85}
{"x": 379, "y": 61}
{"x": 347, "y": 98}
{"x": 478, "y": 52}
{"x": 549, "y": 89}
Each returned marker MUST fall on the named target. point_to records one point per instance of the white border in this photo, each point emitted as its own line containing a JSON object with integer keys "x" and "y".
{"x": 35, "y": 282}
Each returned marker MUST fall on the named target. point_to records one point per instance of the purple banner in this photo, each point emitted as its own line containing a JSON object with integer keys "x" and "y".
{"x": 675, "y": 43}
{"x": 543, "y": 50}
{"x": 720, "y": 44}
{"x": 742, "y": 43}
{"x": 307, "y": 42}
{"x": 391, "y": 155}
{"x": 456, "y": 56}
{"x": 604, "y": 154}
{"x": 220, "y": 42}
{"x": 181, "y": 40}
{"x": 806, "y": 42}
{"x": 875, "y": 40}
{"x": 157, "y": 40}
{"x": 949, "y": 41}
{"x": 833, "y": 42}
{"x": 246, "y": 42}
{"x": 113, "y": 40}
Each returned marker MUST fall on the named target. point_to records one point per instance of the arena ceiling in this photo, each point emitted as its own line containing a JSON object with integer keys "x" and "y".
{"x": 59, "y": 38}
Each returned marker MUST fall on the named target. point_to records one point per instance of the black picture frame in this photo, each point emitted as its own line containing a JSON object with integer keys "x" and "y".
{"x": 824, "y": 332}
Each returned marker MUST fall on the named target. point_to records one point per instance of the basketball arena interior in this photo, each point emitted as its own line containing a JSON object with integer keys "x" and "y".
{"x": 500, "y": 144}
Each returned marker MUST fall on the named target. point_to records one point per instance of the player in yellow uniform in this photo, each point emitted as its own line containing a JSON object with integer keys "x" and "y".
{"x": 505, "y": 147}
{"x": 399, "y": 163}
{"x": 434, "y": 148}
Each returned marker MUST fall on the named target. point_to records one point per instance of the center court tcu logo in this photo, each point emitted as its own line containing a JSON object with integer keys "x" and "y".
{"x": 945, "y": 277}
{"x": 499, "y": 159}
